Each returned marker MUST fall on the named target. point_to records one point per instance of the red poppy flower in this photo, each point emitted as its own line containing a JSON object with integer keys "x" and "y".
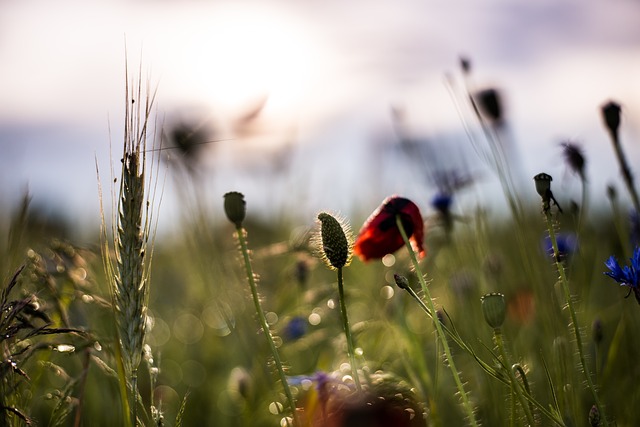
{"x": 380, "y": 236}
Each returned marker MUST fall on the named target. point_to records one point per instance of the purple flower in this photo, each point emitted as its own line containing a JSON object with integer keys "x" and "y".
{"x": 627, "y": 275}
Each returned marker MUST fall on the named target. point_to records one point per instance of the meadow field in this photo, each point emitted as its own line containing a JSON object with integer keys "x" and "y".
{"x": 424, "y": 314}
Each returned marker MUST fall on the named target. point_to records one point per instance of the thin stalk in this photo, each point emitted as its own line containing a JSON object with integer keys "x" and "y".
{"x": 439, "y": 330}
{"x": 515, "y": 385}
{"x": 574, "y": 319}
{"x": 622, "y": 235}
{"x": 525, "y": 383}
{"x": 512, "y": 410}
{"x": 453, "y": 334}
{"x": 583, "y": 206}
{"x": 134, "y": 387}
{"x": 347, "y": 331}
{"x": 263, "y": 322}
{"x": 625, "y": 170}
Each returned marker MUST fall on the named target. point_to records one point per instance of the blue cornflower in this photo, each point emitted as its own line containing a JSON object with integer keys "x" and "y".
{"x": 296, "y": 328}
{"x": 629, "y": 275}
{"x": 567, "y": 245}
{"x": 441, "y": 202}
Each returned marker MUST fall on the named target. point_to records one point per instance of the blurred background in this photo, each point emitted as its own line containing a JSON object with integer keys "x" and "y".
{"x": 310, "y": 105}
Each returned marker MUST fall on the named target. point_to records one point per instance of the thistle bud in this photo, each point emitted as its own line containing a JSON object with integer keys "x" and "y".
{"x": 235, "y": 207}
{"x": 611, "y": 116}
{"x": 335, "y": 244}
{"x": 574, "y": 157}
{"x": 494, "y": 309}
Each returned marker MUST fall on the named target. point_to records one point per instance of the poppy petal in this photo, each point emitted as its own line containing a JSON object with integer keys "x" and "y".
{"x": 380, "y": 236}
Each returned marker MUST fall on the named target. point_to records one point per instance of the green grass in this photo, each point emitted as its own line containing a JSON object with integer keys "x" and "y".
{"x": 210, "y": 364}
{"x": 196, "y": 288}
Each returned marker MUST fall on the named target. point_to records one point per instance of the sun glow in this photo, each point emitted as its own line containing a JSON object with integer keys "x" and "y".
{"x": 246, "y": 56}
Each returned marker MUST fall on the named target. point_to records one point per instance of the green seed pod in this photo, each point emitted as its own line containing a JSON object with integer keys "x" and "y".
{"x": 334, "y": 243}
{"x": 235, "y": 207}
{"x": 494, "y": 309}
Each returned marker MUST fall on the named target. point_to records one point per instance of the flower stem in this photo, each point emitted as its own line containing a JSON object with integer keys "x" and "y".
{"x": 263, "y": 321}
{"x": 453, "y": 334}
{"x": 574, "y": 319}
{"x": 347, "y": 331}
{"x": 625, "y": 170}
{"x": 515, "y": 385}
{"x": 439, "y": 330}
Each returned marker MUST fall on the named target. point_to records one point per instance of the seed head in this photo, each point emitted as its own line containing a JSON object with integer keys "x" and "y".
{"x": 490, "y": 104}
{"x": 235, "y": 207}
{"x": 543, "y": 187}
{"x": 335, "y": 241}
{"x": 494, "y": 309}
{"x": 543, "y": 184}
{"x": 611, "y": 115}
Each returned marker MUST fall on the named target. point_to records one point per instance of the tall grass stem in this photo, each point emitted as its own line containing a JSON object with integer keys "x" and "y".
{"x": 515, "y": 385}
{"x": 466, "y": 403}
{"x": 574, "y": 318}
{"x": 240, "y": 232}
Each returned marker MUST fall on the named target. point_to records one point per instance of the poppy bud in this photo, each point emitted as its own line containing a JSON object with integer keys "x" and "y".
{"x": 401, "y": 281}
{"x": 334, "y": 242}
{"x": 235, "y": 207}
{"x": 490, "y": 104}
{"x": 611, "y": 115}
{"x": 494, "y": 309}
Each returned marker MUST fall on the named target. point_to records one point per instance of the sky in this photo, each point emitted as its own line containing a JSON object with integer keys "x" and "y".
{"x": 300, "y": 96}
